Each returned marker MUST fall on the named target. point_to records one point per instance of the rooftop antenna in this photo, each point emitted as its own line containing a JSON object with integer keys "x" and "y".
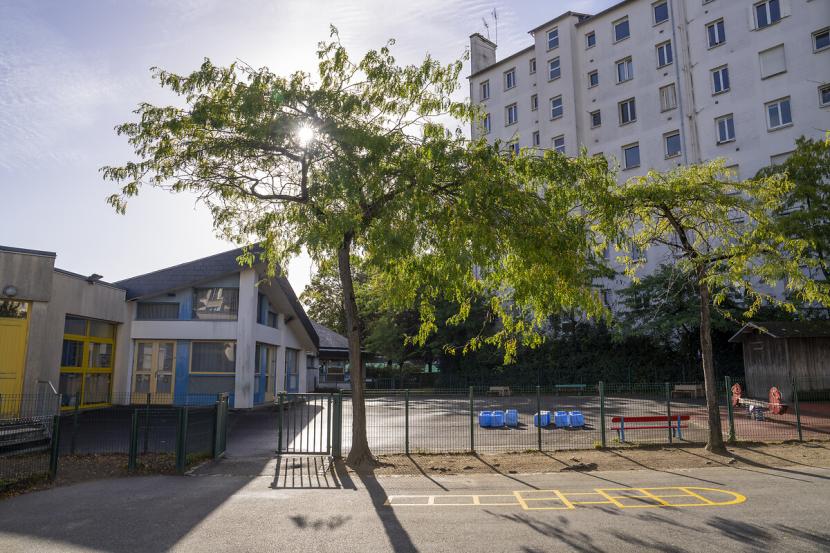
{"x": 486, "y": 27}
{"x": 496, "y": 21}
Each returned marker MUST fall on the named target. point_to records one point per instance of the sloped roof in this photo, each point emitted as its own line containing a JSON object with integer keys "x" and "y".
{"x": 330, "y": 339}
{"x": 785, "y": 329}
{"x": 203, "y": 270}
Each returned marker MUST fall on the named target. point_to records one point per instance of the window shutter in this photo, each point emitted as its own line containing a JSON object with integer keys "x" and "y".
{"x": 751, "y": 13}
{"x": 785, "y": 8}
{"x": 773, "y": 61}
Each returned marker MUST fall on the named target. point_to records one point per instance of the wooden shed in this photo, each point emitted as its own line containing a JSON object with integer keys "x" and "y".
{"x": 777, "y": 352}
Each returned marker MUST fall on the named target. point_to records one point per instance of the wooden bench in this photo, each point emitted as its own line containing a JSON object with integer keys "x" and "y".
{"x": 579, "y": 388}
{"x": 693, "y": 390}
{"x": 675, "y": 423}
{"x": 500, "y": 391}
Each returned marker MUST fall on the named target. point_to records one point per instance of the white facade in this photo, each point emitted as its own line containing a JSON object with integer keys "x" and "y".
{"x": 782, "y": 57}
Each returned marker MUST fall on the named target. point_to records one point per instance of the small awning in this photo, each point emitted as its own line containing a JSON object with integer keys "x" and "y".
{"x": 785, "y": 329}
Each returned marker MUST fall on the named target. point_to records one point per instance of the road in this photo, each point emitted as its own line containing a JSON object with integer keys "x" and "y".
{"x": 248, "y": 504}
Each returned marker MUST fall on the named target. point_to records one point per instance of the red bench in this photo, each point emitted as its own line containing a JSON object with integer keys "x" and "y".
{"x": 675, "y": 423}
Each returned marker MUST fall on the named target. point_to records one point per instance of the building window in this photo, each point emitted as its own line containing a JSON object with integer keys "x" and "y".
{"x": 725, "y": 128}
{"x": 559, "y": 144}
{"x": 532, "y": 66}
{"x": 510, "y": 79}
{"x": 628, "y": 111}
{"x": 596, "y": 119}
{"x": 779, "y": 114}
{"x": 485, "y": 90}
{"x": 535, "y": 138}
{"x": 87, "y": 356}
{"x": 215, "y": 303}
{"x": 511, "y": 114}
{"x": 554, "y": 69}
{"x": 10, "y": 309}
{"x": 553, "y": 38}
{"x": 593, "y": 78}
{"x": 217, "y": 357}
{"x": 156, "y": 311}
{"x": 664, "y": 54}
{"x": 672, "y": 144}
{"x": 621, "y": 29}
{"x": 716, "y": 33}
{"x": 292, "y": 369}
{"x": 487, "y": 123}
{"x": 824, "y": 95}
{"x": 590, "y": 40}
{"x": 668, "y": 97}
{"x": 534, "y": 102}
{"x": 265, "y": 315}
{"x": 720, "y": 80}
{"x": 661, "y": 12}
{"x": 821, "y": 40}
{"x": 556, "y": 109}
{"x": 625, "y": 70}
{"x": 767, "y": 13}
{"x": 631, "y": 156}
{"x": 514, "y": 147}
{"x": 772, "y": 61}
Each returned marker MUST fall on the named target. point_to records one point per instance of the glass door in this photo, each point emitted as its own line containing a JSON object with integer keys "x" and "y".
{"x": 155, "y": 364}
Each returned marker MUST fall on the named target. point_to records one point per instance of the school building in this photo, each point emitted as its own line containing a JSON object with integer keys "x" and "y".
{"x": 177, "y": 335}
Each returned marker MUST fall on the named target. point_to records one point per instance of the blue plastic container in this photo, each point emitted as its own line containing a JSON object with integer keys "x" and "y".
{"x": 511, "y": 417}
{"x": 498, "y": 419}
{"x": 577, "y": 419}
{"x": 541, "y": 419}
{"x": 561, "y": 419}
{"x": 485, "y": 419}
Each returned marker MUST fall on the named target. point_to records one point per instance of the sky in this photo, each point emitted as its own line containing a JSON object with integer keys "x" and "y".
{"x": 71, "y": 71}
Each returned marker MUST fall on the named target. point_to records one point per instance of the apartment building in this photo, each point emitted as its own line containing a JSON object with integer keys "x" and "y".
{"x": 656, "y": 84}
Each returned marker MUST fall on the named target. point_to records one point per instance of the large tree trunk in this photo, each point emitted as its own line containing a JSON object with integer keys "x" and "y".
{"x": 715, "y": 443}
{"x": 359, "y": 453}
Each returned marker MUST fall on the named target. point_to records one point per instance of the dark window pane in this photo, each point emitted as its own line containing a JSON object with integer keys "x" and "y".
{"x": 157, "y": 311}
{"x": 74, "y": 325}
{"x": 215, "y": 357}
{"x": 215, "y": 303}
{"x": 72, "y": 354}
{"x": 661, "y": 12}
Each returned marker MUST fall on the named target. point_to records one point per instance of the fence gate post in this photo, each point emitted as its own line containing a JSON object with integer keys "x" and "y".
{"x": 472, "y": 423}
{"x": 181, "y": 441}
{"x": 55, "y": 450}
{"x": 337, "y": 435}
{"x": 280, "y": 404}
{"x": 132, "y": 458}
{"x": 147, "y": 425}
{"x": 539, "y": 417}
{"x": 668, "y": 413}
{"x": 406, "y": 418}
{"x": 797, "y": 411}
{"x": 329, "y": 420}
{"x": 602, "y": 413}
{"x": 730, "y": 411}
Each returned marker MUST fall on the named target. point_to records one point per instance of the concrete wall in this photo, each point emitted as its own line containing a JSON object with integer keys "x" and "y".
{"x": 73, "y": 295}
{"x": 29, "y": 273}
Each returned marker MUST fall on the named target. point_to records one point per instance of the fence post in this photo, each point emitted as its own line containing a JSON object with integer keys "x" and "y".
{"x": 329, "y": 419}
{"x": 181, "y": 441}
{"x": 406, "y": 418}
{"x": 797, "y": 411}
{"x": 147, "y": 425}
{"x": 337, "y": 446}
{"x": 730, "y": 410}
{"x": 280, "y": 422}
{"x": 602, "y": 413}
{"x": 539, "y": 417}
{"x": 668, "y": 412}
{"x": 132, "y": 458}
{"x": 472, "y": 423}
{"x": 75, "y": 423}
{"x": 55, "y": 450}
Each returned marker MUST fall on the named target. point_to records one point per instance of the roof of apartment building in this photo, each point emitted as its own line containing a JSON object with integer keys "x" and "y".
{"x": 204, "y": 270}
{"x": 329, "y": 339}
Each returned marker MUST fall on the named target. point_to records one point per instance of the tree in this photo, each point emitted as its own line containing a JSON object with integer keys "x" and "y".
{"x": 721, "y": 233}
{"x": 806, "y": 211}
{"x": 358, "y": 165}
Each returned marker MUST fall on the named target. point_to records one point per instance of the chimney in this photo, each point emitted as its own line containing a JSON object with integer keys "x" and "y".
{"x": 482, "y": 52}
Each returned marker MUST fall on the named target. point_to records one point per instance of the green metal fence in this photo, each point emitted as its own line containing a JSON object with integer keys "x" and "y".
{"x": 600, "y": 415}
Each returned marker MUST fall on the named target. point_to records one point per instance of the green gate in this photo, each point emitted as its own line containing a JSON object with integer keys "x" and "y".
{"x": 308, "y": 424}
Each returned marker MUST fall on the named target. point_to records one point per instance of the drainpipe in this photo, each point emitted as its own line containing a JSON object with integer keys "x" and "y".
{"x": 687, "y": 83}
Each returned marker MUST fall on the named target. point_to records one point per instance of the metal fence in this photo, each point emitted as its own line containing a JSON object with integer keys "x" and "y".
{"x": 581, "y": 416}
{"x": 31, "y": 446}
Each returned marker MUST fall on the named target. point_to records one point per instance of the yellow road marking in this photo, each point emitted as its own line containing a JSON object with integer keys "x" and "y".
{"x": 529, "y": 500}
